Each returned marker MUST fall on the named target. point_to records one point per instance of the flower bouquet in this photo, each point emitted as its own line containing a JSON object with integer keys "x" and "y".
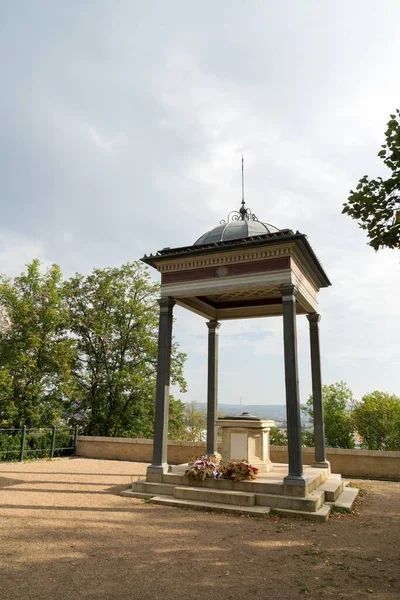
{"x": 204, "y": 467}
{"x": 208, "y": 467}
{"x": 238, "y": 471}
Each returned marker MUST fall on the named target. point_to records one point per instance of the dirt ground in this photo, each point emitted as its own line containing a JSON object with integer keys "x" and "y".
{"x": 65, "y": 533}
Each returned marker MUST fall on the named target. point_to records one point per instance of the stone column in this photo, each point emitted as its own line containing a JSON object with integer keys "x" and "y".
{"x": 295, "y": 476}
{"x": 212, "y": 386}
{"x": 160, "y": 465}
{"x": 319, "y": 429}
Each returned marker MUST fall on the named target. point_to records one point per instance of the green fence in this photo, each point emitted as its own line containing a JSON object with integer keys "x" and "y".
{"x": 26, "y": 443}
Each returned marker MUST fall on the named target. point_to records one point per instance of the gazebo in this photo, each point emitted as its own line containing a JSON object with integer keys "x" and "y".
{"x": 242, "y": 268}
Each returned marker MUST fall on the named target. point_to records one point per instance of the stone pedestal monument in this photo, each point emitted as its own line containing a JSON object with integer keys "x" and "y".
{"x": 246, "y": 438}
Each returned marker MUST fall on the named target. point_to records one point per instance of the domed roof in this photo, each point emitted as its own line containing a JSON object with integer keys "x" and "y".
{"x": 243, "y": 224}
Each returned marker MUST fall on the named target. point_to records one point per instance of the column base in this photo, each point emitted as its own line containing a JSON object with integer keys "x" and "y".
{"x": 295, "y": 485}
{"x": 322, "y": 464}
{"x": 155, "y": 473}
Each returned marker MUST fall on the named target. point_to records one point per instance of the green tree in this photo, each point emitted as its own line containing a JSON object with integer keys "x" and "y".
{"x": 176, "y": 419}
{"x": 377, "y": 420}
{"x": 195, "y": 423}
{"x": 278, "y": 437}
{"x": 5, "y": 323}
{"x": 308, "y": 438}
{"x": 376, "y": 202}
{"x": 36, "y": 354}
{"x": 113, "y": 316}
{"x": 339, "y": 428}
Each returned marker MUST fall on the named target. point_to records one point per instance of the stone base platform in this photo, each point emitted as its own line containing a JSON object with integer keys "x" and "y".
{"x": 322, "y": 492}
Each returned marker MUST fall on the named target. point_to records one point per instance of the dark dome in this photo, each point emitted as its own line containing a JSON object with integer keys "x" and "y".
{"x": 235, "y": 230}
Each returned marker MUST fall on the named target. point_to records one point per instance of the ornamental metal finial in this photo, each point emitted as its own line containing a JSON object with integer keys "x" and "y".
{"x": 243, "y": 214}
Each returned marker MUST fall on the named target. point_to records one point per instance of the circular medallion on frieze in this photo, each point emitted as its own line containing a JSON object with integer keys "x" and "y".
{"x": 222, "y": 271}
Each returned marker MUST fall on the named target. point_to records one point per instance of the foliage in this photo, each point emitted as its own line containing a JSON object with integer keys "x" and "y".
{"x": 339, "y": 427}
{"x": 204, "y": 467}
{"x": 377, "y": 420}
{"x": 176, "y": 424}
{"x": 195, "y": 423}
{"x": 114, "y": 318}
{"x": 308, "y": 438}
{"x": 36, "y": 353}
{"x": 83, "y": 351}
{"x": 37, "y": 444}
{"x": 10, "y": 446}
{"x": 5, "y": 321}
{"x": 278, "y": 437}
{"x": 238, "y": 471}
{"x": 376, "y": 202}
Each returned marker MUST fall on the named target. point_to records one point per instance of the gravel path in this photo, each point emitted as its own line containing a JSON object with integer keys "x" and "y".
{"x": 65, "y": 533}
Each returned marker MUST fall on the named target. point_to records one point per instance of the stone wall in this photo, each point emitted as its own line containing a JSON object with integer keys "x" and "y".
{"x": 370, "y": 464}
{"x": 135, "y": 449}
{"x": 350, "y": 463}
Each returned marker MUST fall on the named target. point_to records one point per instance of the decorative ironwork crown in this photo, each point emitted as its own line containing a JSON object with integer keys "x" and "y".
{"x": 243, "y": 214}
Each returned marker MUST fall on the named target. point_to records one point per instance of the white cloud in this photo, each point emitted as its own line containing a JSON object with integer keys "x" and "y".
{"x": 16, "y": 252}
{"x": 122, "y": 132}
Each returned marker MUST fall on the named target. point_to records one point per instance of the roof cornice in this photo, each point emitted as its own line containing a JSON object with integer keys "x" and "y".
{"x": 283, "y": 236}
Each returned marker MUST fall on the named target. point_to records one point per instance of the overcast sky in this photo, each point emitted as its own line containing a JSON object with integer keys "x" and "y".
{"x": 121, "y": 130}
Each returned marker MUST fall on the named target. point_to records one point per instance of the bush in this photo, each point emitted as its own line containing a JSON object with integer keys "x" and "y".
{"x": 37, "y": 444}
{"x": 10, "y": 446}
{"x": 277, "y": 437}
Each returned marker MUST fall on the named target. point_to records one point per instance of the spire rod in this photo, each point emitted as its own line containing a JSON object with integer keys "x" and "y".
{"x": 242, "y": 179}
{"x": 243, "y": 214}
{"x": 242, "y": 208}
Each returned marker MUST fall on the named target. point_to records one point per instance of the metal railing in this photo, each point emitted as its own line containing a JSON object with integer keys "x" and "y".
{"x": 18, "y": 444}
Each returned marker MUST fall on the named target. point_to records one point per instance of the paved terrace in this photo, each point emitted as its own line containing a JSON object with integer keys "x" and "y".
{"x": 65, "y": 533}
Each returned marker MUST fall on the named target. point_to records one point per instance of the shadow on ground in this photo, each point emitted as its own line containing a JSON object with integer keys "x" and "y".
{"x": 96, "y": 544}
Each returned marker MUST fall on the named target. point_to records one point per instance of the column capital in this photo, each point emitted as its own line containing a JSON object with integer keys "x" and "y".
{"x": 314, "y": 318}
{"x": 288, "y": 292}
{"x": 213, "y": 325}
{"x": 166, "y": 302}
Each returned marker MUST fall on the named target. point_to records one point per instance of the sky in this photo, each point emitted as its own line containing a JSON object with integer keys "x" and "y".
{"x": 122, "y": 127}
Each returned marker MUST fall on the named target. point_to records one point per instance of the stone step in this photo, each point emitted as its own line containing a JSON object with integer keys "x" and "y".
{"x": 333, "y": 487}
{"x": 346, "y": 499}
{"x": 215, "y": 496}
{"x": 133, "y": 494}
{"x": 173, "y": 478}
{"x": 322, "y": 514}
{"x": 211, "y": 506}
{"x": 267, "y": 487}
{"x": 317, "y": 481}
{"x": 310, "y": 503}
{"x": 262, "y": 485}
{"x": 258, "y": 486}
{"x": 156, "y": 489}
